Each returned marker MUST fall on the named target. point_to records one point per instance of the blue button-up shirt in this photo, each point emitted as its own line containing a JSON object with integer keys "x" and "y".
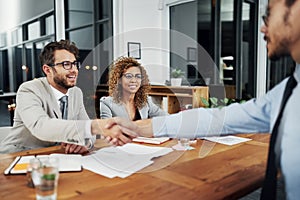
{"x": 254, "y": 116}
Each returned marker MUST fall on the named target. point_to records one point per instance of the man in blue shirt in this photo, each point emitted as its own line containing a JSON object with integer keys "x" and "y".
{"x": 282, "y": 33}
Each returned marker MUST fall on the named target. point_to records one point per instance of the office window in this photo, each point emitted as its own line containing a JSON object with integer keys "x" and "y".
{"x": 278, "y": 70}
{"x": 4, "y": 80}
{"x": 27, "y": 66}
{"x": 227, "y": 30}
{"x": 49, "y": 23}
{"x": 227, "y": 68}
{"x": 79, "y": 13}
{"x": 103, "y": 9}
{"x": 34, "y": 30}
{"x": 89, "y": 24}
{"x": 82, "y": 38}
{"x": 3, "y": 41}
{"x": 37, "y": 50}
{"x": 16, "y": 36}
{"x": 102, "y": 31}
{"x": 17, "y": 65}
{"x": 183, "y": 53}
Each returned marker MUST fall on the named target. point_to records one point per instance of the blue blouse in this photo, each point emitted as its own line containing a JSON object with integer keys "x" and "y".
{"x": 254, "y": 116}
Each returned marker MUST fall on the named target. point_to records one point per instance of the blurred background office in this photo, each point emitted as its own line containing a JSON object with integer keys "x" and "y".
{"x": 151, "y": 31}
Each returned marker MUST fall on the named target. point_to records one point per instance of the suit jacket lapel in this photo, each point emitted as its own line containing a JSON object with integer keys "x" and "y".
{"x": 71, "y": 103}
{"x": 51, "y": 98}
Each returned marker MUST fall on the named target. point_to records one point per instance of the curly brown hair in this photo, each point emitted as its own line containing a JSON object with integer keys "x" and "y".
{"x": 116, "y": 70}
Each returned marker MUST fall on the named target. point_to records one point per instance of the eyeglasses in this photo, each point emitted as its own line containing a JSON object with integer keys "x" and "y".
{"x": 266, "y": 16}
{"x": 130, "y": 76}
{"x": 265, "y": 19}
{"x": 67, "y": 65}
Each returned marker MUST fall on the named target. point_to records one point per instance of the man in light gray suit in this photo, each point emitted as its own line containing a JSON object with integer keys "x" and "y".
{"x": 38, "y": 120}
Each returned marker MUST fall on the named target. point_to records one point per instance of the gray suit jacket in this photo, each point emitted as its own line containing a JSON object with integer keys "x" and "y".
{"x": 37, "y": 120}
{"x": 109, "y": 108}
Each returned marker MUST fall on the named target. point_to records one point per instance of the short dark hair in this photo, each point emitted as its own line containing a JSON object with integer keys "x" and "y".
{"x": 47, "y": 54}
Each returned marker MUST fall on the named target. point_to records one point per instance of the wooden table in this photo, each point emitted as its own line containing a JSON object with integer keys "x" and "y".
{"x": 226, "y": 172}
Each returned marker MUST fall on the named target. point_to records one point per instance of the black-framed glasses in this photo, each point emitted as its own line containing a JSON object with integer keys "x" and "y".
{"x": 266, "y": 16}
{"x": 130, "y": 76}
{"x": 67, "y": 65}
{"x": 265, "y": 19}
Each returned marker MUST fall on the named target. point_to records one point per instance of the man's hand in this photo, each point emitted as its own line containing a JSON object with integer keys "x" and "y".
{"x": 74, "y": 148}
{"x": 113, "y": 132}
{"x": 140, "y": 128}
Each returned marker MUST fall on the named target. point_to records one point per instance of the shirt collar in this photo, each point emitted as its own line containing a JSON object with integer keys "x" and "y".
{"x": 297, "y": 72}
{"x": 58, "y": 94}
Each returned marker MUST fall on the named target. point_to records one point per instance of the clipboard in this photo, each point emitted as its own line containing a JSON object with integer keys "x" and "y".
{"x": 67, "y": 163}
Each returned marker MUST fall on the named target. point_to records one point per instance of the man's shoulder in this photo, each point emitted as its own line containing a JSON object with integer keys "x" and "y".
{"x": 37, "y": 82}
{"x": 75, "y": 90}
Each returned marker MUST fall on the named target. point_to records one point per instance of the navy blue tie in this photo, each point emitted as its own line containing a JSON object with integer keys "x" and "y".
{"x": 270, "y": 183}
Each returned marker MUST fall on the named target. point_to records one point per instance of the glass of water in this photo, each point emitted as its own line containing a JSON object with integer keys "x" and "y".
{"x": 185, "y": 142}
{"x": 45, "y": 179}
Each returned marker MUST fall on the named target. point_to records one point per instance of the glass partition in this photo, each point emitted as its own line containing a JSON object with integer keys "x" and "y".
{"x": 79, "y": 13}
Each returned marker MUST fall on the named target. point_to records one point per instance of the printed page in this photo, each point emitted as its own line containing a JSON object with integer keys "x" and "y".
{"x": 227, "y": 140}
{"x": 122, "y": 161}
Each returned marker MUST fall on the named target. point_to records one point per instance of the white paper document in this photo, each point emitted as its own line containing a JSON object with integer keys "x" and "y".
{"x": 67, "y": 162}
{"x": 227, "y": 140}
{"x": 122, "y": 161}
{"x": 158, "y": 140}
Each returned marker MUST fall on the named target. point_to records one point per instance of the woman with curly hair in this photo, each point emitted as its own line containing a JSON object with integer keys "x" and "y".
{"x": 128, "y": 87}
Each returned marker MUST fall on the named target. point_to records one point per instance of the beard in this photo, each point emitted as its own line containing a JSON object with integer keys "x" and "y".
{"x": 60, "y": 80}
{"x": 280, "y": 51}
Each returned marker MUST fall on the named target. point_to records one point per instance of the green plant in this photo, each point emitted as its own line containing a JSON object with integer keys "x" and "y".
{"x": 214, "y": 102}
{"x": 177, "y": 73}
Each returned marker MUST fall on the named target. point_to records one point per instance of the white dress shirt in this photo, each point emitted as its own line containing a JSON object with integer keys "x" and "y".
{"x": 89, "y": 139}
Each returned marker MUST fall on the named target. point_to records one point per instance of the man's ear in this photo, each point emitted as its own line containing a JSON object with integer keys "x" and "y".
{"x": 46, "y": 69}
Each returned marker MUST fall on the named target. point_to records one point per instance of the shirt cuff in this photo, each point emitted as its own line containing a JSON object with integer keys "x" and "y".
{"x": 89, "y": 138}
{"x": 88, "y": 132}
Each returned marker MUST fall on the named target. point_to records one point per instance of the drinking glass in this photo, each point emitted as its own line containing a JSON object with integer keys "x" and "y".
{"x": 185, "y": 142}
{"x": 45, "y": 179}
{"x": 33, "y": 163}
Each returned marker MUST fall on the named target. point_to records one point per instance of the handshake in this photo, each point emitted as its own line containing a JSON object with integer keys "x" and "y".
{"x": 119, "y": 131}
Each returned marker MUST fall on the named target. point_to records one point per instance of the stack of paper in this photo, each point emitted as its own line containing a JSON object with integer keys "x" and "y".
{"x": 122, "y": 161}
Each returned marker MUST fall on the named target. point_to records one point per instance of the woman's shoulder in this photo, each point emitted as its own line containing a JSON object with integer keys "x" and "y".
{"x": 106, "y": 99}
{"x": 149, "y": 100}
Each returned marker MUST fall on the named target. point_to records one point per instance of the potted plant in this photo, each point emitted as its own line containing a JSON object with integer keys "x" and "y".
{"x": 214, "y": 102}
{"x": 176, "y": 77}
